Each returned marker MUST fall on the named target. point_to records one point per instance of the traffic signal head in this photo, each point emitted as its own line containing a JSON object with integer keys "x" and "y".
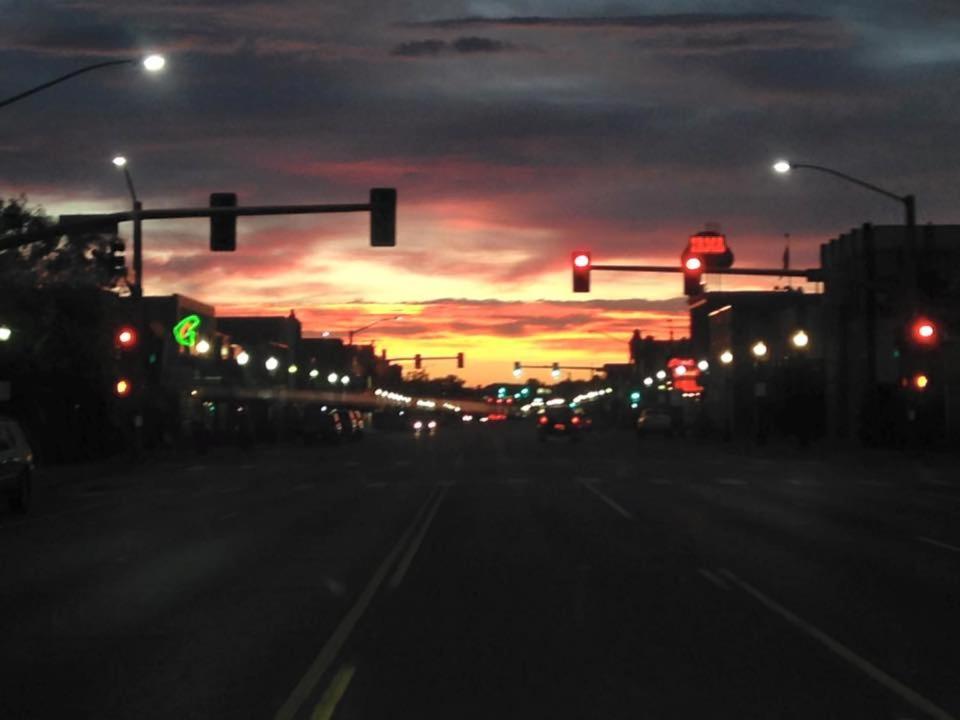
{"x": 924, "y": 332}
{"x": 692, "y": 275}
{"x": 126, "y": 338}
{"x": 118, "y": 260}
{"x": 122, "y": 387}
{"x": 920, "y": 381}
{"x": 383, "y": 217}
{"x": 581, "y": 271}
{"x": 417, "y": 361}
{"x": 517, "y": 369}
{"x": 460, "y": 360}
{"x": 223, "y": 228}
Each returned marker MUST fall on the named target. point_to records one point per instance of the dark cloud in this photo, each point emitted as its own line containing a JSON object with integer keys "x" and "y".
{"x": 463, "y": 45}
{"x": 686, "y": 21}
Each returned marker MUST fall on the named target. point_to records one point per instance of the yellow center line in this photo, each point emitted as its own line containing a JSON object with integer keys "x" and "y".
{"x": 333, "y": 694}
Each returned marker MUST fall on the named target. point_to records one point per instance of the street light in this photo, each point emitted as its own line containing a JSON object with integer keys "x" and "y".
{"x": 367, "y": 327}
{"x": 314, "y": 374}
{"x": 271, "y": 363}
{"x": 152, "y": 63}
{"x": 703, "y": 365}
{"x": 648, "y": 381}
{"x": 203, "y": 347}
{"x": 332, "y": 378}
{"x": 785, "y": 166}
{"x": 726, "y": 357}
{"x": 120, "y": 162}
{"x": 345, "y": 380}
{"x": 661, "y": 374}
{"x": 243, "y": 357}
{"x": 5, "y": 333}
{"x": 293, "y": 369}
{"x": 800, "y": 339}
{"x": 759, "y": 349}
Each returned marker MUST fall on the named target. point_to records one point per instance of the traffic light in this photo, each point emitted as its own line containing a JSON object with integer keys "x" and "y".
{"x": 692, "y": 275}
{"x": 460, "y": 360}
{"x": 924, "y": 332}
{"x": 118, "y": 260}
{"x": 517, "y": 369}
{"x": 555, "y": 370}
{"x": 581, "y": 271}
{"x": 383, "y": 217}
{"x": 417, "y": 361}
{"x": 921, "y": 381}
{"x": 223, "y": 228}
{"x": 126, "y": 338}
{"x": 123, "y": 387}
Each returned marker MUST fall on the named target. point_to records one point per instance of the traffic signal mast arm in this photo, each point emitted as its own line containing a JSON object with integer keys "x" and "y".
{"x": 560, "y": 367}
{"x": 426, "y": 357}
{"x": 812, "y": 274}
{"x": 91, "y": 223}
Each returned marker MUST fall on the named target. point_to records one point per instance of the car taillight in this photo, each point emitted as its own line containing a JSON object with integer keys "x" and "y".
{"x": 575, "y": 420}
{"x": 543, "y": 420}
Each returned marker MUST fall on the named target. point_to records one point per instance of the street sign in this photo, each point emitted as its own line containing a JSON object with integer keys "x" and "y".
{"x": 712, "y": 248}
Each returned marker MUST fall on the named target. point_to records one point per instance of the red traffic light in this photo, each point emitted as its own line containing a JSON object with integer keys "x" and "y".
{"x": 126, "y": 337}
{"x": 693, "y": 263}
{"x": 581, "y": 271}
{"x": 924, "y": 331}
{"x": 122, "y": 387}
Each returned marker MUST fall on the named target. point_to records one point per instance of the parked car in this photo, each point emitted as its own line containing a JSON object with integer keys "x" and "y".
{"x": 561, "y": 421}
{"x": 16, "y": 465}
{"x": 655, "y": 421}
{"x": 351, "y": 423}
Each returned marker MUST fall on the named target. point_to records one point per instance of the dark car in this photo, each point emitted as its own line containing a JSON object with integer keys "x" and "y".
{"x": 351, "y": 423}
{"x": 561, "y": 421}
{"x": 321, "y": 425}
{"x": 656, "y": 421}
{"x": 16, "y": 465}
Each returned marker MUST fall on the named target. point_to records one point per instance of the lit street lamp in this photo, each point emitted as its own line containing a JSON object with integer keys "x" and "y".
{"x": 800, "y": 339}
{"x": 703, "y": 365}
{"x": 332, "y": 378}
{"x": 785, "y": 166}
{"x": 726, "y": 357}
{"x": 314, "y": 374}
{"x": 759, "y": 349}
{"x": 203, "y": 347}
{"x": 5, "y": 333}
{"x": 243, "y": 357}
{"x": 271, "y": 363}
{"x": 151, "y": 63}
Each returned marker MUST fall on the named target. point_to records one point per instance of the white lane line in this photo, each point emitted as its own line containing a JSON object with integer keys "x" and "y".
{"x": 938, "y": 543}
{"x": 328, "y": 653}
{"x": 609, "y": 501}
{"x": 411, "y": 553}
{"x": 714, "y": 579}
{"x": 889, "y": 682}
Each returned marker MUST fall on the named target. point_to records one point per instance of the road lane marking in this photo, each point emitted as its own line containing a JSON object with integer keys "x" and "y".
{"x": 714, "y": 579}
{"x": 334, "y": 693}
{"x": 609, "y": 501}
{"x": 905, "y": 693}
{"x": 875, "y": 483}
{"x": 328, "y": 653}
{"x": 938, "y": 543}
{"x": 411, "y": 553}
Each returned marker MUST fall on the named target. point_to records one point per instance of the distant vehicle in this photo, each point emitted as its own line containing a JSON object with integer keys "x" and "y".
{"x": 321, "y": 424}
{"x": 561, "y": 421}
{"x": 655, "y": 421}
{"x": 424, "y": 425}
{"x": 351, "y": 422}
{"x": 16, "y": 465}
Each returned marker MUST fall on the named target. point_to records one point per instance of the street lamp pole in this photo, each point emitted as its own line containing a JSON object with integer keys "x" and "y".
{"x": 351, "y": 333}
{"x": 152, "y": 63}
{"x": 137, "y": 290}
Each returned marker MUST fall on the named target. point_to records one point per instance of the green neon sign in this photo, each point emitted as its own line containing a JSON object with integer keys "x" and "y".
{"x": 185, "y": 331}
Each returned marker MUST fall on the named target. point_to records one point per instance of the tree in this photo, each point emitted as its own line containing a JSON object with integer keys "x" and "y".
{"x": 82, "y": 261}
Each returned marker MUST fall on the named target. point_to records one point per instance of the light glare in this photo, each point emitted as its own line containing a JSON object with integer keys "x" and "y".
{"x": 781, "y": 166}
{"x": 154, "y": 63}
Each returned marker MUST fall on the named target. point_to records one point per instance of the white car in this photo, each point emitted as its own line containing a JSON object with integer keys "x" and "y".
{"x": 655, "y": 420}
{"x": 16, "y": 465}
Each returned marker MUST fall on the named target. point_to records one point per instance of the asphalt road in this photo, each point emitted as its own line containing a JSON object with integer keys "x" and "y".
{"x": 480, "y": 574}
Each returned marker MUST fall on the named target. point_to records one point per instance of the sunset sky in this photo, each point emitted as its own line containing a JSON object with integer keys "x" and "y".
{"x": 514, "y": 132}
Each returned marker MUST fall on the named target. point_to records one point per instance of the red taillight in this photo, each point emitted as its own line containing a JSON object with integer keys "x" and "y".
{"x": 543, "y": 420}
{"x": 575, "y": 420}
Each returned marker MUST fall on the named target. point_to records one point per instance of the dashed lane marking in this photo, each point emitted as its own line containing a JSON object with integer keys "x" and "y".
{"x": 334, "y": 693}
{"x": 719, "y": 582}
{"x": 587, "y": 483}
{"x": 889, "y": 682}
{"x": 940, "y": 544}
